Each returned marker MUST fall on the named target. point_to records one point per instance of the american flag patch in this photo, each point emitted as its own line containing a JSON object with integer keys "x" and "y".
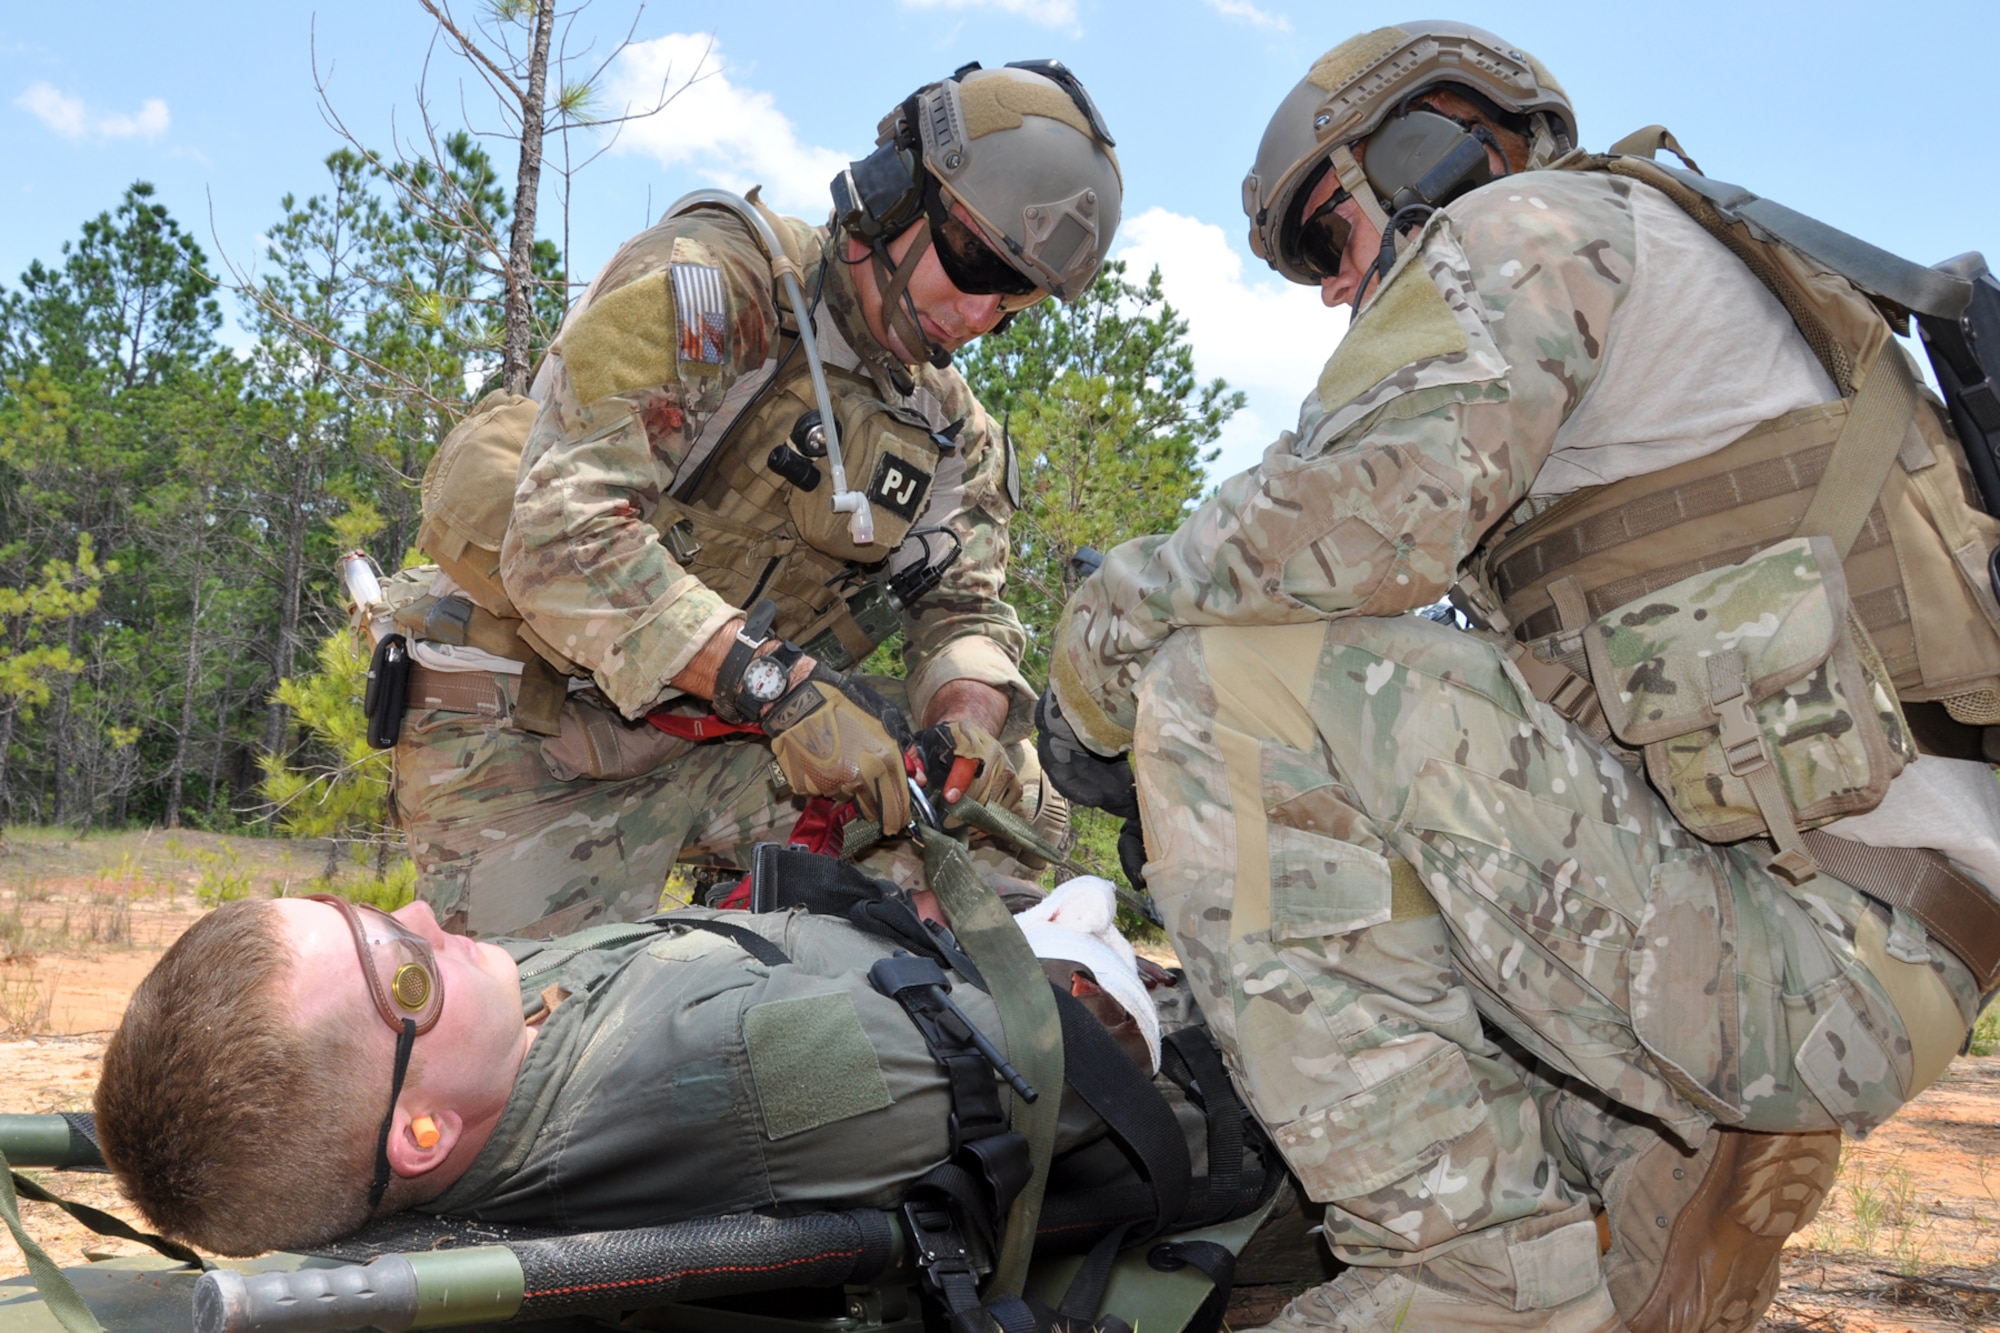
{"x": 698, "y": 303}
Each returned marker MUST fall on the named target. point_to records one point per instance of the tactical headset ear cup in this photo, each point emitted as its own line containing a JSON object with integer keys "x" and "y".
{"x": 1423, "y": 158}
{"x": 877, "y": 197}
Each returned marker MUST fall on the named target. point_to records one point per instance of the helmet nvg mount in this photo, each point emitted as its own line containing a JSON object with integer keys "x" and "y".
{"x": 1022, "y": 151}
{"x": 1366, "y": 81}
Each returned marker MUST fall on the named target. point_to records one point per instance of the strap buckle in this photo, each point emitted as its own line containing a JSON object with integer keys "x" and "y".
{"x": 943, "y": 1257}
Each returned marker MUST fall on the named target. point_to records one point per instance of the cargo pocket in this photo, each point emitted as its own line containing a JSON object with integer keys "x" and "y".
{"x": 1385, "y": 1133}
{"x": 1684, "y": 985}
{"x": 1322, "y": 882}
{"x": 597, "y": 743}
{"x": 1855, "y": 1059}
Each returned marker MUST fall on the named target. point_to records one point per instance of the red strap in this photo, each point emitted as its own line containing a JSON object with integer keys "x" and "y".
{"x": 822, "y": 829}
{"x": 703, "y": 727}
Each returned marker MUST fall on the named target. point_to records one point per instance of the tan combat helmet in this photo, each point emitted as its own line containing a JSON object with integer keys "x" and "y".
{"x": 1027, "y": 154}
{"x": 1353, "y": 88}
{"x": 1023, "y": 151}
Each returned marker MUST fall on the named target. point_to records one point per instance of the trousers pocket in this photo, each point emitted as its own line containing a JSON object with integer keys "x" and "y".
{"x": 597, "y": 743}
{"x": 1855, "y": 1060}
{"x": 1683, "y": 981}
{"x": 1386, "y": 1132}
{"x": 1323, "y": 882}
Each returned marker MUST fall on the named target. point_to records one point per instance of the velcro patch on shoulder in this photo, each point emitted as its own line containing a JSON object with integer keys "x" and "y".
{"x": 624, "y": 341}
{"x": 1409, "y": 323}
{"x": 812, "y": 1063}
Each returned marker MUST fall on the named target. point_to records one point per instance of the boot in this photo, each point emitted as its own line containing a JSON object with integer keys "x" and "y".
{"x": 1696, "y": 1237}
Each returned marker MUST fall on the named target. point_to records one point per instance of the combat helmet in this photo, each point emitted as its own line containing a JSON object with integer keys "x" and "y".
{"x": 1352, "y": 89}
{"x": 1023, "y": 150}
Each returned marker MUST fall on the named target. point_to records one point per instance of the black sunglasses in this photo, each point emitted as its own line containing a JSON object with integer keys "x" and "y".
{"x": 1317, "y": 244}
{"x": 973, "y": 266}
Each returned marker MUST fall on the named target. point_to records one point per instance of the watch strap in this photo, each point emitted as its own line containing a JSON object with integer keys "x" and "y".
{"x": 728, "y": 702}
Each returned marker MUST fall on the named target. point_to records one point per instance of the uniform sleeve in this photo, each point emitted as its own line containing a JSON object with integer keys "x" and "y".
{"x": 681, "y": 314}
{"x": 1428, "y": 425}
{"x": 966, "y": 631}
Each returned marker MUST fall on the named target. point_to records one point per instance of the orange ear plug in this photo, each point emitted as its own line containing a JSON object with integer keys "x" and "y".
{"x": 426, "y": 1131}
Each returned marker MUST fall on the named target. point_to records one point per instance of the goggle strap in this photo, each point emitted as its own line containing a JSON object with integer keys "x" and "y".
{"x": 404, "y": 1044}
{"x": 1355, "y": 181}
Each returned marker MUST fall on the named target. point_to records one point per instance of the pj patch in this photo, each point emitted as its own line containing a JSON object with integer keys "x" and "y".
{"x": 899, "y": 487}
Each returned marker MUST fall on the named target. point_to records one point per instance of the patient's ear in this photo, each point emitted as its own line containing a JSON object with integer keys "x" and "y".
{"x": 420, "y": 1141}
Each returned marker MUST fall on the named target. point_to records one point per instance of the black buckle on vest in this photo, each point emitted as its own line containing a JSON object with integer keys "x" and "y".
{"x": 944, "y": 1260}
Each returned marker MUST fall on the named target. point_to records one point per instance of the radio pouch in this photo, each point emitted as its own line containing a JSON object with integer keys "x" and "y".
{"x": 1755, "y": 695}
{"x": 891, "y": 456}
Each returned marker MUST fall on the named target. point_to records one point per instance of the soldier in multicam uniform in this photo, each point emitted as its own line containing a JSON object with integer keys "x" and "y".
{"x": 1477, "y": 978}
{"x": 675, "y": 476}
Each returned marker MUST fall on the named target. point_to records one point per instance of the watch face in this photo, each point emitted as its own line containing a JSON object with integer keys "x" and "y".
{"x": 764, "y": 680}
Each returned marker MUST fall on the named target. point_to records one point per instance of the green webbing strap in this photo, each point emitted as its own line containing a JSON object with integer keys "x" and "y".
{"x": 105, "y": 1224}
{"x": 58, "y": 1293}
{"x": 860, "y": 835}
{"x": 1010, "y": 828}
{"x": 1028, "y": 1018}
{"x": 1878, "y": 416}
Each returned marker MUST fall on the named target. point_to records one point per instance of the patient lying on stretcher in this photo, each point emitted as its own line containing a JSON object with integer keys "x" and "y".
{"x": 701, "y": 1064}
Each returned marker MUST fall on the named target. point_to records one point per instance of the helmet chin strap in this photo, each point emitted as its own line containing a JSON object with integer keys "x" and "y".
{"x": 892, "y": 280}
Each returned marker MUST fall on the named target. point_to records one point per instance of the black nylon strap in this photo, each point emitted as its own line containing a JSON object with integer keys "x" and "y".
{"x": 1213, "y": 1261}
{"x": 1190, "y": 1059}
{"x": 1086, "y": 1290}
{"x": 380, "y": 1185}
{"x": 765, "y": 952}
{"x": 1125, "y": 1099}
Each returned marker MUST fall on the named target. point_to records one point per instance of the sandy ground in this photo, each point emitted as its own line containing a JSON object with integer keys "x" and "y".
{"x": 1909, "y": 1239}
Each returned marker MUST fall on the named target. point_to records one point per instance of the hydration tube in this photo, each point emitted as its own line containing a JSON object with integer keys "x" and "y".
{"x": 861, "y": 517}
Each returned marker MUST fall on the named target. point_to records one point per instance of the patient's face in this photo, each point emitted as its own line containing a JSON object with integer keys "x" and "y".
{"x": 474, "y": 1050}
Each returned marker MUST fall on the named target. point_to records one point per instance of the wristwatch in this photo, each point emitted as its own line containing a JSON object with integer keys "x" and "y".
{"x": 748, "y": 682}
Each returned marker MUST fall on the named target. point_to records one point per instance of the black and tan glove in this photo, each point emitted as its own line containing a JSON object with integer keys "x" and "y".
{"x": 993, "y": 780}
{"x": 1079, "y": 773}
{"x": 833, "y": 736}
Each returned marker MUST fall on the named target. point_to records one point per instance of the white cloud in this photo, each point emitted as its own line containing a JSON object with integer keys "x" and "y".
{"x": 1249, "y": 13}
{"x": 729, "y": 135}
{"x": 1266, "y": 336}
{"x": 73, "y": 119}
{"x": 1048, "y": 13}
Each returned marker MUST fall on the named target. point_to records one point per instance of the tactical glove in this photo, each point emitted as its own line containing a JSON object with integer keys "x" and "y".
{"x": 1132, "y": 853}
{"x": 994, "y": 781}
{"x": 833, "y": 736}
{"x": 1083, "y": 776}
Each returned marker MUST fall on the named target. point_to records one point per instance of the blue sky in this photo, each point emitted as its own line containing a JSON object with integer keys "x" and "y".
{"x": 1880, "y": 122}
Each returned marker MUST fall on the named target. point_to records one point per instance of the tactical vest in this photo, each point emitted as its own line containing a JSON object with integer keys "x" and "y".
{"x": 744, "y": 528}
{"x": 1878, "y": 471}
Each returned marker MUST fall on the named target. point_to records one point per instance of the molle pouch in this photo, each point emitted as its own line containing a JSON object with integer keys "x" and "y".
{"x": 1755, "y": 694}
{"x": 891, "y": 457}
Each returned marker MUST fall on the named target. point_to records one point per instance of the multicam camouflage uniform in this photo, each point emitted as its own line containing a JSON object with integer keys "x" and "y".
{"x": 1367, "y": 836}
{"x": 508, "y": 837}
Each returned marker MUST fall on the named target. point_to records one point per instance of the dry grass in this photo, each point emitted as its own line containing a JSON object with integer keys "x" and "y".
{"x": 68, "y": 902}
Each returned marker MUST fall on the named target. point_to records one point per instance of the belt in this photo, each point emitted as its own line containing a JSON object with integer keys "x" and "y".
{"x": 1955, "y": 909}
{"x": 457, "y": 691}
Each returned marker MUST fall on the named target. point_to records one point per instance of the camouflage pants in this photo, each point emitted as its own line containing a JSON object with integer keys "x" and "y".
{"x": 1366, "y": 837}
{"x": 508, "y": 842}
